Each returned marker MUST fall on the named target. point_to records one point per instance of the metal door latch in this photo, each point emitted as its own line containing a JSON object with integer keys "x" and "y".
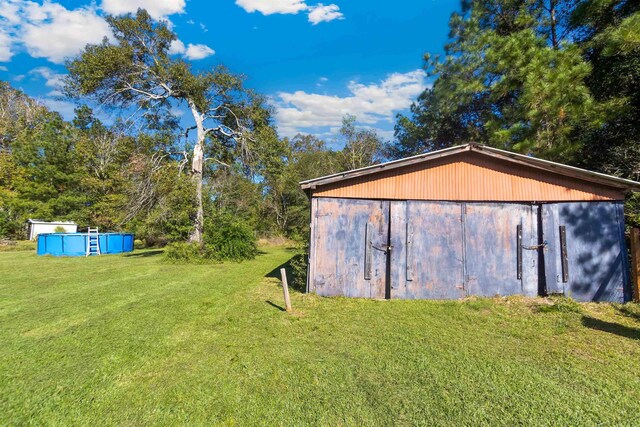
{"x": 384, "y": 249}
{"x": 543, "y": 245}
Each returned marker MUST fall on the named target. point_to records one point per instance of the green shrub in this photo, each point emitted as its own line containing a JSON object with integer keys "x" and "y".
{"x": 298, "y": 267}
{"x": 184, "y": 252}
{"x": 59, "y": 229}
{"x": 227, "y": 238}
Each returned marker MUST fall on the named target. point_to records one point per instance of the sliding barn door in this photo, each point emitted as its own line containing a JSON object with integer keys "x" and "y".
{"x": 501, "y": 249}
{"x": 349, "y": 247}
{"x": 449, "y": 250}
{"x": 586, "y": 256}
{"x": 427, "y": 254}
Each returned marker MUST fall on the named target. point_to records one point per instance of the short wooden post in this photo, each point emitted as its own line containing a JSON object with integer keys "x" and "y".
{"x": 635, "y": 263}
{"x": 285, "y": 289}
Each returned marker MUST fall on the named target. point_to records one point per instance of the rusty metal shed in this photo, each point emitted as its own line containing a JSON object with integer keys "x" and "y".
{"x": 469, "y": 220}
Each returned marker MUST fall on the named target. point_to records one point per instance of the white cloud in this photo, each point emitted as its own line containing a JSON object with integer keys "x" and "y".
{"x": 53, "y": 80}
{"x": 51, "y": 31}
{"x": 10, "y": 11}
{"x": 63, "y": 33}
{"x": 317, "y": 13}
{"x": 177, "y": 48}
{"x": 3, "y": 68}
{"x": 371, "y": 103}
{"x": 269, "y": 7}
{"x": 322, "y": 13}
{"x": 6, "y": 46}
{"x": 198, "y": 51}
{"x": 48, "y": 30}
{"x": 65, "y": 108}
{"x": 191, "y": 51}
{"x": 158, "y": 9}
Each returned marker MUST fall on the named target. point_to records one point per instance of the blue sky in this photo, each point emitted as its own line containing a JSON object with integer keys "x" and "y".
{"x": 315, "y": 61}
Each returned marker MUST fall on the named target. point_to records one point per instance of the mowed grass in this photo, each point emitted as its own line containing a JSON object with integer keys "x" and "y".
{"x": 130, "y": 340}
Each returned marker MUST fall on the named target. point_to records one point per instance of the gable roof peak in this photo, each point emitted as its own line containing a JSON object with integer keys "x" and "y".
{"x": 521, "y": 159}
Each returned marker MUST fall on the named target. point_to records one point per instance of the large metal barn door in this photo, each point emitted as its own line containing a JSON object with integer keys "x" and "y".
{"x": 501, "y": 252}
{"x": 350, "y": 248}
{"x": 427, "y": 254}
{"x": 586, "y": 255}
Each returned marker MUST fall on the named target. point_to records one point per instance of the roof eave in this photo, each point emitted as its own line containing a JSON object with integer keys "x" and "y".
{"x": 566, "y": 170}
{"x": 395, "y": 164}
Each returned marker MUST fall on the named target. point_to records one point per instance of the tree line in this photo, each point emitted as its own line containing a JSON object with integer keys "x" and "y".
{"x": 558, "y": 79}
{"x": 118, "y": 178}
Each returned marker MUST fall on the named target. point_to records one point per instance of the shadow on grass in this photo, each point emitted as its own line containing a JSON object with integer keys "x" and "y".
{"x": 291, "y": 279}
{"x": 612, "y": 328}
{"x": 628, "y": 311}
{"x": 275, "y": 305}
{"x": 144, "y": 254}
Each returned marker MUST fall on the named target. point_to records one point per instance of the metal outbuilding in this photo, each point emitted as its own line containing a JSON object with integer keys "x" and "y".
{"x": 469, "y": 220}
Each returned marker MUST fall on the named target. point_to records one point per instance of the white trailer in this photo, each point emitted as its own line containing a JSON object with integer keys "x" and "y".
{"x": 40, "y": 227}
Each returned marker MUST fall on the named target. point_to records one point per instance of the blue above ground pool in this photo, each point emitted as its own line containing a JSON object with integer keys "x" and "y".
{"x": 75, "y": 244}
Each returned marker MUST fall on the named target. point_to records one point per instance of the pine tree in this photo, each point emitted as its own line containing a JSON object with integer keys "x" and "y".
{"x": 511, "y": 78}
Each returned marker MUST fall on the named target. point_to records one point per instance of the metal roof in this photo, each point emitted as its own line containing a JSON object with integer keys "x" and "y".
{"x": 508, "y": 156}
{"x": 38, "y": 221}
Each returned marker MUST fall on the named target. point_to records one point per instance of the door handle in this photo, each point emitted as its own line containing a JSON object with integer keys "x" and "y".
{"x": 384, "y": 249}
{"x": 543, "y": 245}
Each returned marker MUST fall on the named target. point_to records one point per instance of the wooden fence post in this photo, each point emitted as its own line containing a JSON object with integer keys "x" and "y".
{"x": 285, "y": 289}
{"x": 635, "y": 263}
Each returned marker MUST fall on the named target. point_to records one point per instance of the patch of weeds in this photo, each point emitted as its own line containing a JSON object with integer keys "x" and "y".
{"x": 17, "y": 245}
{"x": 478, "y": 304}
{"x": 298, "y": 267}
{"x": 560, "y": 305}
{"x": 187, "y": 253}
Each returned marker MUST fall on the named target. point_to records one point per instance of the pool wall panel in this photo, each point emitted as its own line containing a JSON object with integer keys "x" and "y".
{"x": 75, "y": 244}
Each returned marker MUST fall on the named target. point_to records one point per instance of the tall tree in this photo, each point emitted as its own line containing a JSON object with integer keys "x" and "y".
{"x": 510, "y": 78}
{"x": 285, "y": 203}
{"x": 136, "y": 71}
{"x": 363, "y": 147}
{"x": 609, "y": 32}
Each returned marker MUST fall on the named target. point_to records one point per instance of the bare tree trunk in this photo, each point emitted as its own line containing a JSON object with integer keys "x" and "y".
{"x": 197, "y": 166}
{"x": 554, "y": 24}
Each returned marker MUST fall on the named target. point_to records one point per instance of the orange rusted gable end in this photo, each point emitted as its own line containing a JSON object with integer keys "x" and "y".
{"x": 471, "y": 173}
{"x": 469, "y": 176}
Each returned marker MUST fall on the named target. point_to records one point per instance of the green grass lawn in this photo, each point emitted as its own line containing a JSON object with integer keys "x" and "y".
{"x": 130, "y": 340}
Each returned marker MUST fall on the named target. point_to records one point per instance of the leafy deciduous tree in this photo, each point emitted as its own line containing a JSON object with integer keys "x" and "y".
{"x": 137, "y": 71}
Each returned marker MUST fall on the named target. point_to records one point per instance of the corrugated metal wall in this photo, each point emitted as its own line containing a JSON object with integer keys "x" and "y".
{"x": 469, "y": 176}
{"x": 448, "y": 250}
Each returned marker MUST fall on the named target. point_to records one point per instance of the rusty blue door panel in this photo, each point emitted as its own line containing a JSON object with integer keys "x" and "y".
{"x": 398, "y": 243}
{"x": 350, "y": 240}
{"x": 596, "y": 267}
{"x": 491, "y": 249}
{"x": 552, "y": 256}
{"x": 427, "y": 251}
